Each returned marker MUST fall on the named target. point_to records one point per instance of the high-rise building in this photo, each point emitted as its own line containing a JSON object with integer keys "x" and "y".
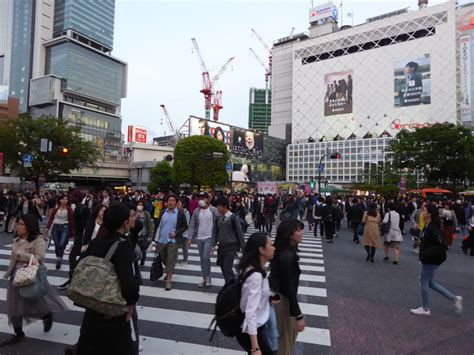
{"x": 259, "y": 109}
{"x": 6, "y": 18}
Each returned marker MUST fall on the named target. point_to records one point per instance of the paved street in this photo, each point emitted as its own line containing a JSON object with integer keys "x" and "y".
{"x": 351, "y": 306}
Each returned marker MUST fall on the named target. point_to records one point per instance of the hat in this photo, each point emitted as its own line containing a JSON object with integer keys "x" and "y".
{"x": 203, "y": 194}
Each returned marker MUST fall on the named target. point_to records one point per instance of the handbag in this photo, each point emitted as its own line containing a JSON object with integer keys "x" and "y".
{"x": 360, "y": 229}
{"x": 248, "y": 218}
{"x": 143, "y": 242}
{"x": 386, "y": 226}
{"x": 26, "y": 275}
{"x": 37, "y": 289}
{"x": 156, "y": 271}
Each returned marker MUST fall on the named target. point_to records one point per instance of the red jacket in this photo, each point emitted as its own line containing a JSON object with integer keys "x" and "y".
{"x": 70, "y": 219}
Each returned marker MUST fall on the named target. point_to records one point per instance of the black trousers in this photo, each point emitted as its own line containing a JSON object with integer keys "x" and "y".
{"x": 73, "y": 255}
{"x": 318, "y": 222}
{"x": 246, "y": 344}
{"x": 354, "y": 227}
{"x": 7, "y": 222}
{"x": 225, "y": 259}
{"x": 330, "y": 230}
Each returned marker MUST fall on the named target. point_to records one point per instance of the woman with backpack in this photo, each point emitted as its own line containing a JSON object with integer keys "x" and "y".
{"x": 432, "y": 255}
{"x": 255, "y": 294}
{"x": 284, "y": 279}
{"x": 28, "y": 243}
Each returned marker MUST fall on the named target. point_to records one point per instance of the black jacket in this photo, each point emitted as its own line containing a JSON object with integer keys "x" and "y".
{"x": 356, "y": 213}
{"x": 122, "y": 260}
{"x": 285, "y": 277}
{"x": 432, "y": 248}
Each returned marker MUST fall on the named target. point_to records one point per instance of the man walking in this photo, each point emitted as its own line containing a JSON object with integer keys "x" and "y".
{"x": 169, "y": 234}
{"x": 228, "y": 237}
{"x": 355, "y": 214}
{"x": 201, "y": 228}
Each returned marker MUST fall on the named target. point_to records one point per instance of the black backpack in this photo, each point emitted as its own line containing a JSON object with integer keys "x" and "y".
{"x": 228, "y": 316}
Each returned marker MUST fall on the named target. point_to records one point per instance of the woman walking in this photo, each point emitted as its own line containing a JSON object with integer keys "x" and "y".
{"x": 432, "y": 255}
{"x": 27, "y": 244}
{"x": 449, "y": 223}
{"x": 371, "y": 241}
{"x": 62, "y": 222}
{"x": 255, "y": 294}
{"x": 394, "y": 237}
{"x": 145, "y": 235}
{"x": 284, "y": 278}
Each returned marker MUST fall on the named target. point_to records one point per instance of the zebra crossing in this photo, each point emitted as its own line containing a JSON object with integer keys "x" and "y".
{"x": 176, "y": 321}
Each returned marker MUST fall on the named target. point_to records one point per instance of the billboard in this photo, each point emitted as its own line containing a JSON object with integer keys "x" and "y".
{"x": 241, "y": 172}
{"x": 203, "y": 127}
{"x": 465, "y": 65}
{"x": 338, "y": 98}
{"x": 247, "y": 142}
{"x": 412, "y": 80}
{"x": 267, "y": 187}
{"x": 323, "y": 11}
{"x": 137, "y": 134}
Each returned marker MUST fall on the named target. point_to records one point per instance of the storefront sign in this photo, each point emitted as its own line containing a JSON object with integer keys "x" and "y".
{"x": 465, "y": 53}
{"x": 397, "y": 124}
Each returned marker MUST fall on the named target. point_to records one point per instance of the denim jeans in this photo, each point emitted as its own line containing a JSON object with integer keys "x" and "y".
{"x": 204, "y": 247}
{"x": 60, "y": 233}
{"x": 427, "y": 281}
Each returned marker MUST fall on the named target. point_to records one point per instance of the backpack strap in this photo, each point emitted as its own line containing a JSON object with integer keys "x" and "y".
{"x": 112, "y": 250}
{"x": 246, "y": 276}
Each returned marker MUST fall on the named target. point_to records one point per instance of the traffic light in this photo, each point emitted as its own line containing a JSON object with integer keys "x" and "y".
{"x": 336, "y": 155}
{"x": 312, "y": 184}
{"x": 64, "y": 151}
{"x": 326, "y": 183}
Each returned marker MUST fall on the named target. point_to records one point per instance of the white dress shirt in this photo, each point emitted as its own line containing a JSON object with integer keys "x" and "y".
{"x": 255, "y": 302}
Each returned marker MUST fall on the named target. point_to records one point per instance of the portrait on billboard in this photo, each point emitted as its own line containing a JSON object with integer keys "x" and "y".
{"x": 247, "y": 142}
{"x": 203, "y": 127}
{"x": 338, "y": 98}
{"x": 413, "y": 82}
{"x": 241, "y": 172}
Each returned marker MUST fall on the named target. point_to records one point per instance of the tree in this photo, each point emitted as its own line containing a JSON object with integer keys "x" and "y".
{"x": 161, "y": 177}
{"x": 196, "y": 161}
{"x": 23, "y": 136}
{"x": 444, "y": 153}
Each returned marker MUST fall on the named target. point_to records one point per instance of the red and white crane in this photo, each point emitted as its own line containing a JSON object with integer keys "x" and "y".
{"x": 208, "y": 84}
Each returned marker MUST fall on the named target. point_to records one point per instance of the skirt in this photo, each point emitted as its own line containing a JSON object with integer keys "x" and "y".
{"x": 19, "y": 309}
{"x": 286, "y": 327}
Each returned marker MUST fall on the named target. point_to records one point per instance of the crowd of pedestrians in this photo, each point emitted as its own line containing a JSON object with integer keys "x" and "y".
{"x": 86, "y": 224}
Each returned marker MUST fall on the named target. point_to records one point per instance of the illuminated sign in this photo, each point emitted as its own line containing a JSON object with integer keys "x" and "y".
{"x": 137, "y": 134}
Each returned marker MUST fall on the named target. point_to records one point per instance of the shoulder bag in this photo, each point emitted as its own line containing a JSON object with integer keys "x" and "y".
{"x": 26, "y": 275}
{"x": 385, "y": 228}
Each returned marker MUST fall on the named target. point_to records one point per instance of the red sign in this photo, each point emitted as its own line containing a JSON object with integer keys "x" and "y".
{"x": 397, "y": 124}
{"x": 137, "y": 134}
{"x": 1, "y": 164}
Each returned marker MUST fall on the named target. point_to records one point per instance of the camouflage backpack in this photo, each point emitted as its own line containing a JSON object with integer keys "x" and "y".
{"x": 95, "y": 285}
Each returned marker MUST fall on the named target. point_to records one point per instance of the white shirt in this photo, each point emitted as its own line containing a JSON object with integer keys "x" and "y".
{"x": 255, "y": 302}
{"x": 96, "y": 230}
{"x": 206, "y": 223}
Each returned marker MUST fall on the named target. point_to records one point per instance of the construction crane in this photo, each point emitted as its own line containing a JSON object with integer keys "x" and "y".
{"x": 217, "y": 105}
{"x": 208, "y": 85}
{"x": 173, "y": 131}
{"x": 267, "y": 70}
{"x": 269, "y": 51}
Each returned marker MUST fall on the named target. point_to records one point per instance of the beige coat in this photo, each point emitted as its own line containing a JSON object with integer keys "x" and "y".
{"x": 371, "y": 230}
{"x": 22, "y": 251}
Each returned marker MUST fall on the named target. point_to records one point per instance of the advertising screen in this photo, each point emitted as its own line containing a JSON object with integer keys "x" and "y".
{"x": 413, "y": 81}
{"x": 241, "y": 172}
{"x": 267, "y": 187}
{"x": 247, "y": 142}
{"x": 203, "y": 127}
{"x": 338, "y": 98}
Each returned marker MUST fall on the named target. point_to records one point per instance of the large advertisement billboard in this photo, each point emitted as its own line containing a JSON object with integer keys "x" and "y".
{"x": 466, "y": 55}
{"x": 241, "y": 172}
{"x": 412, "y": 81}
{"x": 338, "y": 98}
{"x": 203, "y": 127}
{"x": 137, "y": 134}
{"x": 247, "y": 142}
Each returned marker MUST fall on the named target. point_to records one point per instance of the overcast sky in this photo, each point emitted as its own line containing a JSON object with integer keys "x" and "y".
{"x": 154, "y": 37}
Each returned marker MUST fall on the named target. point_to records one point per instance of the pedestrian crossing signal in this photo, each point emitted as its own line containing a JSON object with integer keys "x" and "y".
{"x": 312, "y": 184}
{"x": 336, "y": 155}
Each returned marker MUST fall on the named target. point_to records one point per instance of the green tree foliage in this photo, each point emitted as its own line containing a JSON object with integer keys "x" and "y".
{"x": 23, "y": 135}
{"x": 444, "y": 153}
{"x": 161, "y": 177}
{"x": 195, "y": 164}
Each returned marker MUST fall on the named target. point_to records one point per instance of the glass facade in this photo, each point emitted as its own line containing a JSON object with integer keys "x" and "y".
{"x": 86, "y": 71}
{"x": 101, "y": 129}
{"x": 260, "y": 109}
{"x": 93, "y": 19}
{"x": 22, "y": 51}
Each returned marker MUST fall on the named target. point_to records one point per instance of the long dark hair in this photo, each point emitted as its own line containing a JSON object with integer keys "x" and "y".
{"x": 251, "y": 254}
{"x": 434, "y": 212}
{"x": 285, "y": 231}
{"x": 32, "y": 226}
{"x": 372, "y": 210}
{"x": 95, "y": 212}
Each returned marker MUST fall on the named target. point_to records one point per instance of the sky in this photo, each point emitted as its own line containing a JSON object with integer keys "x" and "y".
{"x": 154, "y": 38}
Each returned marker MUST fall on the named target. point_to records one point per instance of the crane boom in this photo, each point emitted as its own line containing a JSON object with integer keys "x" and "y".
{"x": 261, "y": 41}
{"x": 198, "y": 52}
{"x": 223, "y": 69}
{"x": 168, "y": 119}
{"x": 258, "y": 59}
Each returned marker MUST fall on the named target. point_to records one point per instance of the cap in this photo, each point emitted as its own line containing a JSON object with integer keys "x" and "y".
{"x": 203, "y": 194}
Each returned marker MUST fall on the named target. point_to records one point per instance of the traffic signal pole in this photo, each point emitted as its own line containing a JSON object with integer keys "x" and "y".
{"x": 319, "y": 172}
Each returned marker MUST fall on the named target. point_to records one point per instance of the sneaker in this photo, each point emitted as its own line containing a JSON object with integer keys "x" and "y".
{"x": 14, "y": 339}
{"x": 183, "y": 263}
{"x": 416, "y": 251}
{"x": 48, "y": 322}
{"x": 58, "y": 264}
{"x": 458, "y": 304}
{"x": 420, "y": 311}
{"x": 202, "y": 283}
{"x": 64, "y": 286}
{"x": 208, "y": 281}
{"x": 140, "y": 348}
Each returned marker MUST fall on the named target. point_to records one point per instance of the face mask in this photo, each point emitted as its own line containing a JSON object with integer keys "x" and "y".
{"x": 139, "y": 208}
{"x": 202, "y": 203}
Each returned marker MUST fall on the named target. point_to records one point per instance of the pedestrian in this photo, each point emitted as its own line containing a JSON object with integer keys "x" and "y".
{"x": 371, "y": 221}
{"x": 449, "y": 223}
{"x": 61, "y": 224}
{"x": 432, "y": 255}
{"x": 169, "y": 233}
{"x": 269, "y": 213}
{"x": 330, "y": 217}
{"x": 228, "y": 237}
{"x": 146, "y": 233}
{"x": 11, "y": 211}
{"x": 184, "y": 244}
{"x": 27, "y": 206}
{"x": 284, "y": 278}
{"x": 318, "y": 216}
{"x": 355, "y": 214}
{"x": 468, "y": 242}
{"x": 241, "y": 212}
{"x": 393, "y": 237}
{"x": 255, "y": 294}
{"x": 28, "y": 243}
{"x": 99, "y": 333}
